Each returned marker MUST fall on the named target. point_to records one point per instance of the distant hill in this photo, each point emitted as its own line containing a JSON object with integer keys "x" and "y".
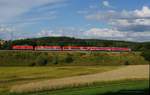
{"x": 63, "y": 41}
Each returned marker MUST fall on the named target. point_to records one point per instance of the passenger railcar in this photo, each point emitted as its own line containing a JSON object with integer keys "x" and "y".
{"x": 51, "y": 48}
{"x": 24, "y": 47}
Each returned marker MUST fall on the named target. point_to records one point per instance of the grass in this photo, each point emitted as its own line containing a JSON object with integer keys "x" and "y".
{"x": 18, "y": 75}
{"x": 74, "y": 58}
{"x": 122, "y": 87}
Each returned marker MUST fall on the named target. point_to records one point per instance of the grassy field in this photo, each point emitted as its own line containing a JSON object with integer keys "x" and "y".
{"x": 12, "y": 77}
{"x": 127, "y": 72}
{"x": 18, "y": 75}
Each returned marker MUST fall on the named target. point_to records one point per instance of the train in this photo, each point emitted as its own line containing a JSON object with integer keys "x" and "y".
{"x": 68, "y": 48}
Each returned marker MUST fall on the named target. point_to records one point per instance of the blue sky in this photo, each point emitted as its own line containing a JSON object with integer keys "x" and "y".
{"x": 100, "y": 19}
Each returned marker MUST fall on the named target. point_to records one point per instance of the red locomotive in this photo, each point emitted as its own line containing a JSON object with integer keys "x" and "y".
{"x": 24, "y": 47}
{"x": 69, "y": 48}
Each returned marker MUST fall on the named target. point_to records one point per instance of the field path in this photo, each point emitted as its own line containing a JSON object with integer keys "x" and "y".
{"x": 128, "y": 72}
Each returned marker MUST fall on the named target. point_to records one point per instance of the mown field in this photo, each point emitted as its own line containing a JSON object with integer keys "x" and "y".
{"x": 122, "y": 87}
{"x": 10, "y": 76}
{"x": 126, "y": 72}
{"x": 29, "y": 58}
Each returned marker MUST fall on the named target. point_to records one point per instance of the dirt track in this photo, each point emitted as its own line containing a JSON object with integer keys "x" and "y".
{"x": 128, "y": 72}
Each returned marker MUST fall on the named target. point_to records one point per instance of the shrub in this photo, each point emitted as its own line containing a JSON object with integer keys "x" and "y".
{"x": 55, "y": 60}
{"x": 146, "y": 55}
{"x": 126, "y": 63}
{"x": 69, "y": 58}
{"x": 32, "y": 64}
{"x": 42, "y": 60}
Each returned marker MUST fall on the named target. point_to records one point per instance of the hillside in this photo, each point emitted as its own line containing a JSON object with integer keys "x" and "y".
{"x": 77, "y": 42}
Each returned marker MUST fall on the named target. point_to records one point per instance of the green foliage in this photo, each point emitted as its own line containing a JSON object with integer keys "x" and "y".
{"x": 55, "y": 59}
{"x": 126, "y": 63}
{"x": 69, "y": 58}
{"x": 17, "y": 58}
{"x": 42, "y": 60}
{"x": 7, "y": 45}
{"x": 146, "y": 55}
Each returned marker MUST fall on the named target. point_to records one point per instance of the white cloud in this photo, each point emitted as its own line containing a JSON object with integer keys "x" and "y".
{"x": 124, "y": 14}
{"x": 6, "y": 32}
{"x": 136, "y": 20}
{"x": 98, "y": 33}
{"x": 45, "y": 33}
{"x": 115, "y": 34}
{"x": 106, "y": 4}
{"x": 13, "y": 8}
{"x": 105, "y": 32}
{"x": 6, "y": 29}
{"x": 145, "y": 12}
{"x": 62, "y": 31}
{"x": 126, "y": 22}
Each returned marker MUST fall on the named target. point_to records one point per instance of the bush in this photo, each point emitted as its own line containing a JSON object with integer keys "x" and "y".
{"x": 55, "y": 60}
{"x": 146, "y": 55}
{"x": 69, "y": 58}
{"x": 32, "y": 64}
{"x": 42, "y": 60}
{"x": 126, "y": 63}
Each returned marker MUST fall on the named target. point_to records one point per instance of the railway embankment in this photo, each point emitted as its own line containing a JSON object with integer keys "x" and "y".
{"x": 73, "y": 58}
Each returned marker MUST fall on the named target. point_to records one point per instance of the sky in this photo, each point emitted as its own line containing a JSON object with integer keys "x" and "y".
{"x": 127, "y": 20}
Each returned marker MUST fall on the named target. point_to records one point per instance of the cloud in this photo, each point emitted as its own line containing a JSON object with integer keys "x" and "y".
{"x": 136, "y": 20}
{"x": 10, "y": 9}
{"x": 6, "y": 29}
{"x": 136, "y": 25}
{"x": 45, "y": 33}
{"x": 62, "y": 31}
{"x": 145, "y": 12}
{"x": 6, "y": 32}
{"x": 106, "y": 4}
{"x": 35, "y": 17}
{"x": 97, "y": 33}
{"x": 114, "y": 34}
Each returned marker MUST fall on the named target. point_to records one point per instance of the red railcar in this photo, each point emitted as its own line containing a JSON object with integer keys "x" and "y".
{"x": 100, "y": 48}
{"x": 74, "y": 48}
{"x": 120, "y": 49}
{"x": 22, "y": 47}
{"x": 52, "y": 48}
